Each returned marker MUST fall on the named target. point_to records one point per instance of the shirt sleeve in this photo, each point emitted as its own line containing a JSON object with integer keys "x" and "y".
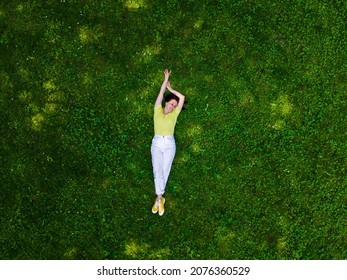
{"x": 177, "y": 112}
{"x": 157, "y": 108}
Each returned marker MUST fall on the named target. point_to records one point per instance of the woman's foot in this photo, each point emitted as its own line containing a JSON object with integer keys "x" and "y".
{"x": 161, "y": 206}
{"x": 155, "y": 207}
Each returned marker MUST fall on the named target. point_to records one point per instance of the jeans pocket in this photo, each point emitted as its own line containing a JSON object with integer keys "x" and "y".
{"x": 155, "y": 139}
{"x": 171, "y": 142}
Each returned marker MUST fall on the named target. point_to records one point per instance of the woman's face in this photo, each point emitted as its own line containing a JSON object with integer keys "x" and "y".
{"x": 170, "y": 105}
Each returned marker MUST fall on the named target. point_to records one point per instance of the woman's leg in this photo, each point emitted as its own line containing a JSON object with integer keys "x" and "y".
{"x": 168, "y": 157}
{"x": 157, "y": 163}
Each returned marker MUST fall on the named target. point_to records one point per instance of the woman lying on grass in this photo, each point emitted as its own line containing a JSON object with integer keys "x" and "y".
{"x": 163, "y": 147}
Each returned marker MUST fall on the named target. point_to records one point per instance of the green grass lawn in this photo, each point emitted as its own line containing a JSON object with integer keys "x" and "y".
{"x": 260, "y": 168}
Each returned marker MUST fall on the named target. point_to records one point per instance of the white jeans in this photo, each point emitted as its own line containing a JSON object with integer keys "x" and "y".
{"x": 163, "y": 151}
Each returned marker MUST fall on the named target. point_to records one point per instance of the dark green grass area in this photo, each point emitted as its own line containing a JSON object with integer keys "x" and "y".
{"x": 260, "y": 168}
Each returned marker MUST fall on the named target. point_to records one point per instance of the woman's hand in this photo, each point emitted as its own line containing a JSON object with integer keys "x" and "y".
{"x": 167, "y": 74}
{"x": 168, "y": 85}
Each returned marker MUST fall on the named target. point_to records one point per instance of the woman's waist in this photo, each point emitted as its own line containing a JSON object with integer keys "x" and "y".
{"x": 171, "y": 136}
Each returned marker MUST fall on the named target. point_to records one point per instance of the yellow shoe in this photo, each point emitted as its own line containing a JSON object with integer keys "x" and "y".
{"x": 155, "y": 207}
{"x": 161, "y": 206}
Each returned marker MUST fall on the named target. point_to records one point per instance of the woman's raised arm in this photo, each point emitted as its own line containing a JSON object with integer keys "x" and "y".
{"x": 178, "y": 94}
{"x": 163, "y": 88}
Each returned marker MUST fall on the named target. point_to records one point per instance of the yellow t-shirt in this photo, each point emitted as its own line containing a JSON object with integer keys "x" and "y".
{"x": 165, "y": 124}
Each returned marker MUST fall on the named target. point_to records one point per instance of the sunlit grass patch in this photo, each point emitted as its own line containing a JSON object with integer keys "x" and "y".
{"x": 281, "y": 109}
{"x": 134, "y": 4}
{"x": 37, "y": 121}
{"x": 25, "y": 96}
{"x": 85, "y": 34}
{"x": 182, "y": 157}
{"x": 194, "y": 130}
{"x": 194, "y": 133}
{"x": 282, "y": 106}
{"x": 53, "y": 94}
{"x": 134, "y": 250}
{"x": 50, "y": 108}
{"x": 197, "y": 148}
{"x": 71, "y": 253}
{"x": 87, "y": 79}
{"x": 56, "y": 96}
{"x": 279, "y": 124}
{"x": 282, "y": 242}
{"x": 198, "y": 24}
{"x": 282, "y": 247}
{"x": 89, "y": 35}
{"x": 49, "y": 85}
{"x": 20, "y": 8}
{"x": 52, "y": 98}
